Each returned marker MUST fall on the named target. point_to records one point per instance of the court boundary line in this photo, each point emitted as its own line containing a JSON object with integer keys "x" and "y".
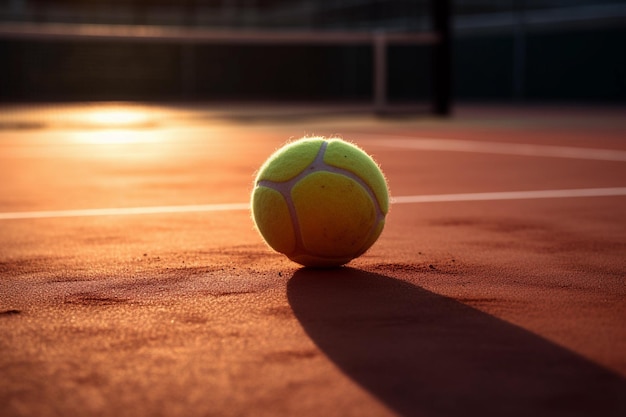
{"x": 500, "y": 148}
{"x": 410, "y": 199}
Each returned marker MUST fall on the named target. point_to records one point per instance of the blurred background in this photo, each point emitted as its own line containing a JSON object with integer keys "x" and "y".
{"x": 215, "y": 50}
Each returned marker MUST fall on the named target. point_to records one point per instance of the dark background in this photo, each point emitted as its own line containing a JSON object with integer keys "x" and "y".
{"x": 516, "y": 50}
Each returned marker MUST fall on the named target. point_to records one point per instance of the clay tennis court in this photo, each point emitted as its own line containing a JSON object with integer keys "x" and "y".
{"x": 133, "y": 282}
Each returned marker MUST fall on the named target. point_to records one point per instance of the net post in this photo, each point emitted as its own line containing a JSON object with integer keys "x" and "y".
{"x": 442, "y": 62}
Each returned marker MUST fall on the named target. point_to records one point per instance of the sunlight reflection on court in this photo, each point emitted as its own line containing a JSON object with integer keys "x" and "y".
{"x": 117, "y": 136}
{"x": 117, "y": 124}
{"x": 140, "y": 131}
{"x": 119, "y": 117}
{"x": 113, "y": 130}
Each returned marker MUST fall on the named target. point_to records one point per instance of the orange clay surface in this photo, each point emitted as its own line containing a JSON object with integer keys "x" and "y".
{"x": 510, "y": 303}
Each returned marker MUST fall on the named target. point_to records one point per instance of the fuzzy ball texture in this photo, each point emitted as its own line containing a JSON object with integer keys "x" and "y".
{"x": 321, "y": 202}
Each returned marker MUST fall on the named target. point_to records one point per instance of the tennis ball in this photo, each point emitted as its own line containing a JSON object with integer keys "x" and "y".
{"x": 321, "y": 202}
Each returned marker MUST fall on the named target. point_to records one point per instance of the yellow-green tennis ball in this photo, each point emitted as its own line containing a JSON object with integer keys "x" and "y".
{"x": 322, "y": 202}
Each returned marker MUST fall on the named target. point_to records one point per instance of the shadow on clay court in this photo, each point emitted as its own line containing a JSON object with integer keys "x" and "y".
{"x": 428, "y": 355}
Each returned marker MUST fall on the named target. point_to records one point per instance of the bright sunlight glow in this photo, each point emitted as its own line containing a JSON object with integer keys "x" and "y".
{"x": 116, "y": 124}
{"x": 117, "y": 117}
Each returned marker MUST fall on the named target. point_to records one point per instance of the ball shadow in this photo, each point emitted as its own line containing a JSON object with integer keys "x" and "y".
{"x": 428, "y": 355}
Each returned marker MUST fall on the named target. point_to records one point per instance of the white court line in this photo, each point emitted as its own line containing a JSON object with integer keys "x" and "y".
{"x": 123, "y": 211}
{"x": 520, "y": 149}
{"x": 511, "y": 195}
{"x": 410, "y": 199}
